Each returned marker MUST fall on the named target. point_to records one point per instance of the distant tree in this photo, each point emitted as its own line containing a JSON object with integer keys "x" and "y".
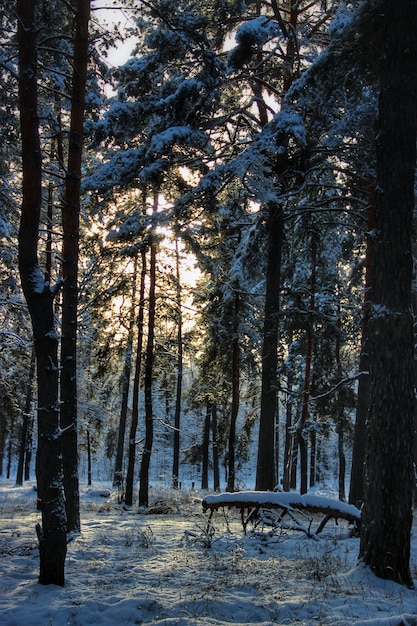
{"x": 27, "y": 418}
{"x": 125, "y": 383}
{"x": 149, "y": 366}
{"x": 216, "y": 473}
{"x": 357, "y": 477}
{"x": 387, "y": 509}
{"x": 180, "y": 365}
{"x": 136, "y": 383}
{"x": 205, "y": 448}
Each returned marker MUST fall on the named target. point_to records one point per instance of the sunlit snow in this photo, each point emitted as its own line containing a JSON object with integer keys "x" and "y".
{"x": 167, "y": 567}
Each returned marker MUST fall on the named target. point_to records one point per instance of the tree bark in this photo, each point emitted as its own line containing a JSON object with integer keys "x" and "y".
{"x": 127, "y": 369}
{"x": 149, "y": 358}
{"x": 205, "y": 448}
{"x": 313, "y": 458}
{"x": 288, "y": 432}
{"x": 177, "y": 416}
{"x": 40, "y": 297}
{"x": 266, "y": 473}
{"x": 340, "y": 420}
{"x": 302, "y": 442}
{"x": 265, "y": 470}
{"x": 364, "y": 385}
{"x": 216, "y": 470}
{"x": 231, "y": 475}
{"x": 294, "y": 464}
{"x": 89, "y": 475}
{"x": 136, "y": 385}
{"x": 387, "y": 510}
{"x": 26, "y": 420}
{"x": 71, "y": 235}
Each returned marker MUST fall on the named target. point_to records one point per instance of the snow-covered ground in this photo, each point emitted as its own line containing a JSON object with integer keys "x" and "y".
{"x": 164, "y": 568}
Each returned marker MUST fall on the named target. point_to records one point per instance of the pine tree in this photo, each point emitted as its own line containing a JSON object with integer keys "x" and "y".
{"x": 70, "y": 262}
{"x": 40, "y": 297}
{"x": 149, "y": 367}
{"x": 387, "y": 510}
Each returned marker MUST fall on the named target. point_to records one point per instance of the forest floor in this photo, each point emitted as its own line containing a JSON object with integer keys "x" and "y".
{"x": 164, "y": 568}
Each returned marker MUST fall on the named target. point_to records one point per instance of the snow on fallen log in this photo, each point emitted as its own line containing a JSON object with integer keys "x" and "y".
{"x": 286, "y": 502}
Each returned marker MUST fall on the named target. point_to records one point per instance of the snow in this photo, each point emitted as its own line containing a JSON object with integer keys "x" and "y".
{"x": 182, "y": 135}
{"x": 283, "y": 499}
{"x": 257, "y": 31}
{"x": 38, "y": 281}
{"x": 128, "y": 567}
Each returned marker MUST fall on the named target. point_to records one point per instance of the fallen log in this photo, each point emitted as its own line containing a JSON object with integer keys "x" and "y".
{"x": 253, "y": 502}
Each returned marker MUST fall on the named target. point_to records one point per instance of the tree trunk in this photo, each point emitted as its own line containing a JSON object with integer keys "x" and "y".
{"x": 313, "y": 458}
{"x": 177, "y": 417}
{"x": 216, "y": 470}
{"x": 26, "y": 420}
{"x": 40, "y": 297}
{"x": 265, "y": 470}
{"x": 118, "y": 466}
{"x": 2, "y": 440}
{"x": 302, "y": 441}
{"x": 231, "y": 475}
{"x": 288, "y": 434}
{"x": 10, "y": 445}
{"x": 294, "y": 464}
{"x": 89, "y": 475}
{"x": 415, "y": 375}
{"x": 71, "y": 234}
{"x": 340, "y": 421}
{"x": 364, "y": 384}
{"x": 29, "y": 446}
{"x": 387, "y": 510}
{"x": 341, "y": 451}
{"x": 205, "y": 448}
{"x": 277, "y": 440}
{"x": 136, "y": 384}
{"x": 149, "y": 357}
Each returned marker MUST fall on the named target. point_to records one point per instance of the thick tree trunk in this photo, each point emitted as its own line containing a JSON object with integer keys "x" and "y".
{"x": 265, "y": 470}
{"x": 415, "y": 379}
{"x": 136, "y": 385}
{"x": 40, "y": 297}
{"x": 71, "y": 234}
{"x": 387, "y": 510}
